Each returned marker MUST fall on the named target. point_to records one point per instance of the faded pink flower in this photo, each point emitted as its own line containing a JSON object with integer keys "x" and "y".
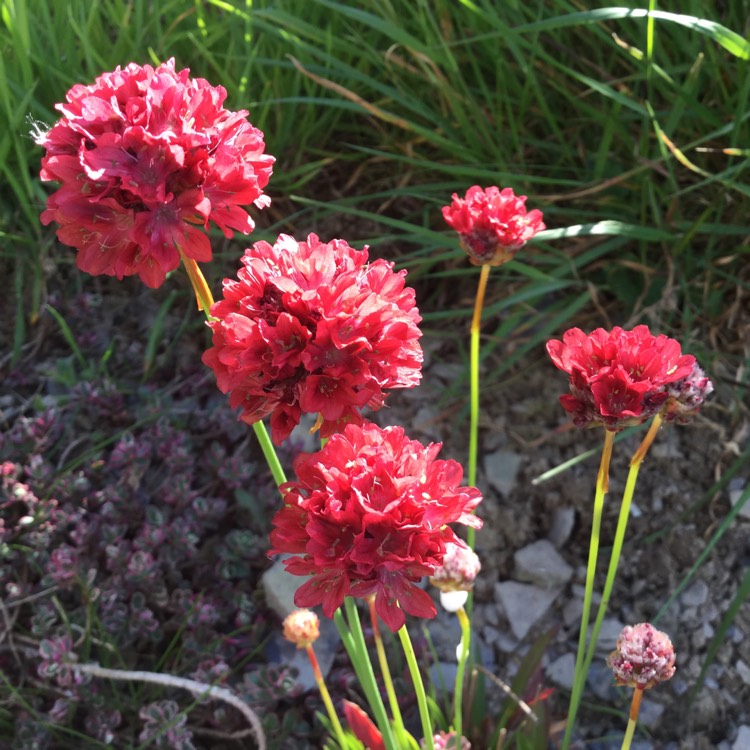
{"x": 643, "y": 658}
{"x": 147, "y": 157}
{"x": 459, "y": 570}
{"x": 493, "y": 224}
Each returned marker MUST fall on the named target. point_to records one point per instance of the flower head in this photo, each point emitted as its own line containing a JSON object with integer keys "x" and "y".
{"x": 448, "y": 741}
{"x": 686, "y": 396}
{"x": 302, "y": 627}
{"x": 459, "y": 570}
{"x": 146, "y": 156}
{"x": 311, "y": 327}
{"x": 618, "y": 378}
{"x": 643, "y": 658}
{"x": 368, "y": 515}
{"x": 493, "y": 223}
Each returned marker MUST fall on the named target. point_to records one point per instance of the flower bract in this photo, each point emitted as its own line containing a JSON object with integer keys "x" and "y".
{"x": 493, "y": 224}
{"x": 146, "y": 158}
{"x": 368, "y": 515}
{"x": 311, "y": 327}
{"x": 618, "y": 377}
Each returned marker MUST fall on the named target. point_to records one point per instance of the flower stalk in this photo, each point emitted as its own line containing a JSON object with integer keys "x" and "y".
{"x": 579, "y": 678}
{"x": 416, "y": 676}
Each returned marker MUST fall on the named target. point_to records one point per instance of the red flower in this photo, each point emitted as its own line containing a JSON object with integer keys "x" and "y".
{"x": 145, "y": 157}
{"x": 368, "y": 515}
{"x": 493, "y": 223}
{"x": 311, "y": 327}
{"x": 618, "y": 378}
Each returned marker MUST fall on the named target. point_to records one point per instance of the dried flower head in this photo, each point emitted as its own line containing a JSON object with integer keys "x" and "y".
{"x": 618, "y": 377}
{"x": 146, "y": 156}
{"x": 448, "y": 741}
{"x": 686, "y": 396}
{"x": 643, "y": 658}
{"x": 368, "y": 515}
{"x": 459, "y": 570}
{"x": 493, "y": 223}
{"x": 311, "y": 327}
{"x": 302, "y": 627}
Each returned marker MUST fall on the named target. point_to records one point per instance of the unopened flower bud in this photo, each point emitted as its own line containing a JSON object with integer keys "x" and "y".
{"x": 302, "y": 627}
{"x": 643, "y": 658}
{"x": 459, "y": 570}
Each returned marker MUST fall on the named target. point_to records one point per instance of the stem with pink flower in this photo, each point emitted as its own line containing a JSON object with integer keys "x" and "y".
{"x": 416, "y": 676}
{"x": 579, "y": 679}
{"x": 474, "y": 384}
{"x": 386, "y": 672}
{"x": 326, "y": 696}
{"x": 635, "y": 707}
{"x": 622, "y": 523}
{"x": 463, "y": 657}
{"x": 352, "y": 637}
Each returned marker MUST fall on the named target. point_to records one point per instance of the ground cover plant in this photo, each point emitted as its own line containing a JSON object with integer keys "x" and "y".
{"x": 136, "y": 510}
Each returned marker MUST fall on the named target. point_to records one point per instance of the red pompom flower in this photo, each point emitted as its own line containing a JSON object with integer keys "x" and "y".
{"x": 145, "y": 157}
{"x": 368, "y": 515}
{"x": 493, "y": 223}
{"x": 620, "y": 378}
{"x": 312, "y": 327}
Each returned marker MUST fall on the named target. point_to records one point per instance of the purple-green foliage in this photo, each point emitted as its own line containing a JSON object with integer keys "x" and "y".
{"x": 135, "y": 521}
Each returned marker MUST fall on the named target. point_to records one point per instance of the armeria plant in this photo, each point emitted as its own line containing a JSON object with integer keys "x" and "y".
{"x": 147, "y": 158}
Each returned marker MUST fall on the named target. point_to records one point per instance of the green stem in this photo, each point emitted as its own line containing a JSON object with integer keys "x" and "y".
{"x": 354, "y": 642}
{"x": 326, "y": 696}
{"x": 269, "y": 452}
{"x": 622, "y": 524}
{"x": 474, "y": 385}
{"x": 416, "y": 677}
{"x": 579, "y": 678}
{"x": 386, "y": 672}
{"x": 458, "y": 693}
{"x": 635, "y": 707}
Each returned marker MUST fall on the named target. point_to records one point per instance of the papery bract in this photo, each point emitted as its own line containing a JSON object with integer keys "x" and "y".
{"x": 146, "y": 156}
{"x": 618, "y": 377}
{"x": 311, "y": 327}
{"x": 368, "y": 515}
{"x": 493, "y": 224}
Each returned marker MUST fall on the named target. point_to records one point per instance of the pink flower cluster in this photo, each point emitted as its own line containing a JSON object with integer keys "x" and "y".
{"x": 492, "y": 223}
{"x": 368, "y": 515}
{"x": 311, "y": 327}
{"x": 620, "y": 378}
{"x": 145, "y": 157}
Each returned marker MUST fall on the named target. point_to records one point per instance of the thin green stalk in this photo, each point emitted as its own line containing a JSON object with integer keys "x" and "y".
{"x": 269, "y": 452}
{"x": 416, "y": 677}
{"x": 622, "y": 523}
{"x": 355, "y": 646}
{"x": 635, "y": 707}
{"x": 398, "y": 720}
{"x": 326, "y": 696}
{"x": 458, "y": 692}
{"x": 474, "y": 384}
{"x": 579, "y": 679}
